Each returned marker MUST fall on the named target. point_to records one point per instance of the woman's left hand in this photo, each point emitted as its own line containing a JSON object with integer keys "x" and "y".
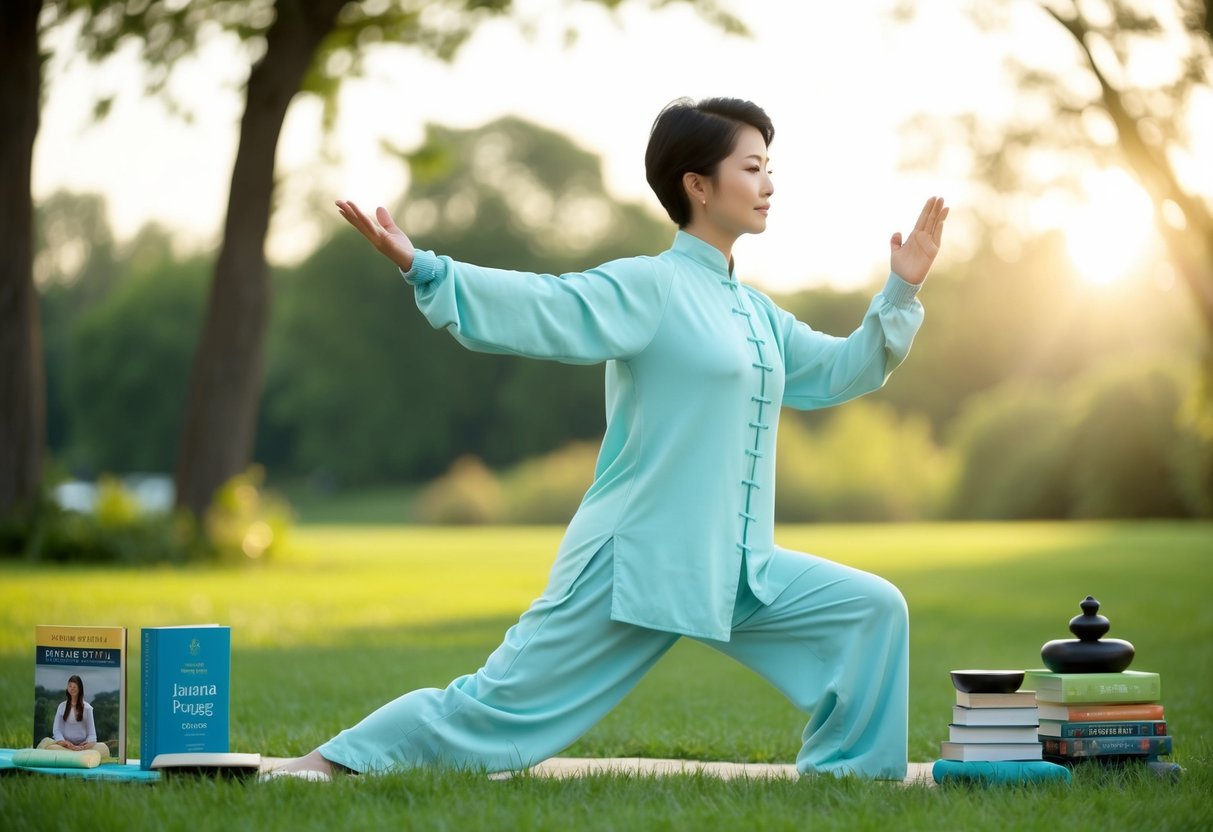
{"x": 912, "y": 259}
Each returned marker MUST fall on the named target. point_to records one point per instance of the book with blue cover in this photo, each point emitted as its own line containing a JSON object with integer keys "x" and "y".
{"x": 186, "y": 688}
{"x": 1083, "y": 730}
{"x": 1070, "y": 749}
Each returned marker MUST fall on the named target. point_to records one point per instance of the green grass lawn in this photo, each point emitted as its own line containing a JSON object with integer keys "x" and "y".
{"x": 350, "y": 617}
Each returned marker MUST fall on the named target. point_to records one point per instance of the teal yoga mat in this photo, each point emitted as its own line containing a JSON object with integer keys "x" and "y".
{"x": 106, "y": 771}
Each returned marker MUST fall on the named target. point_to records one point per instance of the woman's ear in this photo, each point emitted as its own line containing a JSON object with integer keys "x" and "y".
{"x": 696, "y": 187}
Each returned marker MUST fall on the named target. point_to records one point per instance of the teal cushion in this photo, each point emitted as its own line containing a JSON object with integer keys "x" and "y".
{"x": 1033, "y": 771}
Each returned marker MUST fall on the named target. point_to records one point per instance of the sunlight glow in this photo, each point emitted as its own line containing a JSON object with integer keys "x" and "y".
{"x": 1108, "y": 236}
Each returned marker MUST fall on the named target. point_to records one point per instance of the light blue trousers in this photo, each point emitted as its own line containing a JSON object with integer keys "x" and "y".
{"x": 835, "y": 642}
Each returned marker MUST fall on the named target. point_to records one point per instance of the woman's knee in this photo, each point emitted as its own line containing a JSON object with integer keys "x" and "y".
{"x": 885, "y": 600}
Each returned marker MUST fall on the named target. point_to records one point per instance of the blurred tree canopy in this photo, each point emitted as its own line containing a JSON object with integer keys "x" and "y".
{"x": 1124, "y": 99}
{"x": 361, "y": 387}
{"x": 292, "y": 46}
{"x": 1026, "y": 394}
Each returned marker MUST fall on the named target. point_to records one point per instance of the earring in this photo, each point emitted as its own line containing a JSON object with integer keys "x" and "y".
{"x": 704, "y": 203}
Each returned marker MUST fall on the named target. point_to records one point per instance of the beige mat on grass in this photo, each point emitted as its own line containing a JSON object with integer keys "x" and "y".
{"x": 565, "y": 767}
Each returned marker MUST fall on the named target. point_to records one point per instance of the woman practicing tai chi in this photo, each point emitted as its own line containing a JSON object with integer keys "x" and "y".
{"x": 675, "y": 535}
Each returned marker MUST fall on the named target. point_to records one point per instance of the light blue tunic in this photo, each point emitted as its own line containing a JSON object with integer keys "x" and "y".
{"x": 697, "y": 367}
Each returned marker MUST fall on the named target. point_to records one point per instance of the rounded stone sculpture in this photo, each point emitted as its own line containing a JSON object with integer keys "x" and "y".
{"x": 1089, "y": 653}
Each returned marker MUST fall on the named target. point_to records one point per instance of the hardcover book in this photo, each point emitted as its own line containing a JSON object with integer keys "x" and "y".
{"x": 186, "y": 673}
{"x": 993, "y": 733}
{"x": 989, "y": 752}
{"x": 993, "y": 716}
{"x": 1067, "y": 688}
{"x": 91, "y": 660}
{"x": 1106, "y": 747}
{"x": 1018, "y": 699}
{"x": 1067, "y": 730}
{"x": 1099, "y": 713}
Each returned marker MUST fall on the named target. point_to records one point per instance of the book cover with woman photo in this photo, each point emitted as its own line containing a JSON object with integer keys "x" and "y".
{"x": 80, "y": 690}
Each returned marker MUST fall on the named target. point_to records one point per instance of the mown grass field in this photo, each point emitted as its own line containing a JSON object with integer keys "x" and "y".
{"x": 350, "y": 617}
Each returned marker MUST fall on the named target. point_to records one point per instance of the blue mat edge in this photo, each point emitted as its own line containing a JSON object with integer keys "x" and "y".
{"x": 114, "y": 772}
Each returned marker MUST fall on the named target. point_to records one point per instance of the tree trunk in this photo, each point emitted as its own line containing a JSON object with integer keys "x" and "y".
{"x": 225, "y": 383}
{"x": 22, "y": 387}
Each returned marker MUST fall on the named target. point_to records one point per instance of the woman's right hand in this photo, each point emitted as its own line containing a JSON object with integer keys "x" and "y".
{"x": 387, "y": 239}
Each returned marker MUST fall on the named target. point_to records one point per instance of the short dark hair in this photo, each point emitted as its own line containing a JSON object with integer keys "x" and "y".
{"x": 690, "y": 137}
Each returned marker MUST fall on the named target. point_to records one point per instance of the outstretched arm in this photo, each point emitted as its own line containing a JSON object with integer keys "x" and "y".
{"x": 911, "y": 260}
{"x": 605, "y": 313}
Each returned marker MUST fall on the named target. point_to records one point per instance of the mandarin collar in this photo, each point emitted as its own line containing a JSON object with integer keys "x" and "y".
{"x": 702, "y": 252}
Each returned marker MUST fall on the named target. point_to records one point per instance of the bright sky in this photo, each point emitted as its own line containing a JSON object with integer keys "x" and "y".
{"x": 839, "y": 80}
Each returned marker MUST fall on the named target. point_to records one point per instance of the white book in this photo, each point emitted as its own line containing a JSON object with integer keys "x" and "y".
{"x": 989, "y": 751}
{"x": 208, "y": 762}
{"x": 994, "y": 716}
{"x": 1001, "y": 734}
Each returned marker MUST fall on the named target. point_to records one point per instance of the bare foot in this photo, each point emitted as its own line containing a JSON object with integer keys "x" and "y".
{"x": 311, "y": 762}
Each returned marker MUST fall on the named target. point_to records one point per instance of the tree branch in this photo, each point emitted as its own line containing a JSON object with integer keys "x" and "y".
{"x": 1157, "y": 177}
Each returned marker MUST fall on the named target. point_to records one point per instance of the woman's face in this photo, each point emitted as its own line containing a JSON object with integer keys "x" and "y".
{"x": 73, "y": 690}
{"x": 739, "y": 195}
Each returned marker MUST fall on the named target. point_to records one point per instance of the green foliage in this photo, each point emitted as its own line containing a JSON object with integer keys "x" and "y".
{"x": 170, "y": 30}
{"x": 54, "y": 535}
{"x": 46, "y": 703}
{"x": 1128, "y": 445}
{"x": 125, "y": 373}
{"x": 467, "y": 493}
{"x": 864, "y": 463}
{"x": 1120, "y": 442}
{"x": 75, "y": 266}
{"x": 544, "y": 489}
{"x": 993, "y": 321}
{"x": 548, "y": 489}
{"x": 246, "y": 522}
{"x": 1014, "y": 447}
{"x": 361, "y": 388}
{"x": 116, "y": 507}
{"x": 361, "y": 392}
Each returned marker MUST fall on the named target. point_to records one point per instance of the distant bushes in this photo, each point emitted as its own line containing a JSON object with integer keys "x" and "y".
{"x": 865, "y": 463}
{"x": 243, "y": 523}
{"x": 468, "y": 493}
{"x": 1123, "y": 441}
{"x": 549, "y": 488}
{"x": 116, "y": 532}
{"x": 1015, "y": 460}
{"x": 546, "y": 489}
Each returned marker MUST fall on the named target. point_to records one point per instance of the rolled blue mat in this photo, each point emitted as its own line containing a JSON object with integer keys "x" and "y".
{"x": 1031, "y": 771}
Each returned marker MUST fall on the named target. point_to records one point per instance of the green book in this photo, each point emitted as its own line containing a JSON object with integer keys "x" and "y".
{"x": 1067, "y": 688}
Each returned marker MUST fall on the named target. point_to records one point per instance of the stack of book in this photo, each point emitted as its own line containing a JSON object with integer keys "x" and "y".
{"x": 993, "y": 727}
{"x": 1100, "y": 716}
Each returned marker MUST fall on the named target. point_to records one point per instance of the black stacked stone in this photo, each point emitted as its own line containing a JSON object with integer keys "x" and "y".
{"x": 1090, "y": 652}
